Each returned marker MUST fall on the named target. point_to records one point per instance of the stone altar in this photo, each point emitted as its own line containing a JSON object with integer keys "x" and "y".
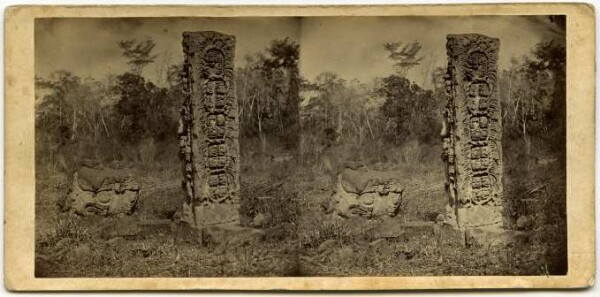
{"x": 366, "y": 193}
{"x": 103, "y": 191}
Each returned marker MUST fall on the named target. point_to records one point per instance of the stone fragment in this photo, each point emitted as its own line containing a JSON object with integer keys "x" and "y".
{"x": 524, "y": 222}
{"x": 259, "y": 220}
{"x": 82, "y": 251}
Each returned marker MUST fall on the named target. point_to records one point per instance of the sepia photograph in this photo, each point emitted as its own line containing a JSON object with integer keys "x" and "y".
{"x": 300, "y": 146}
{"x": 291, "y": 146}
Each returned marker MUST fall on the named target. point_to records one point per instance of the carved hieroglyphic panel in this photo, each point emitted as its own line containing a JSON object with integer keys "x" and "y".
{"x": 209, "y": 129}
{"x": 473, "y": 131}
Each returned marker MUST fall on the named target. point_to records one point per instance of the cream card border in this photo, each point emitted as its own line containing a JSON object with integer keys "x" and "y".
{"x": 20, "y": 166}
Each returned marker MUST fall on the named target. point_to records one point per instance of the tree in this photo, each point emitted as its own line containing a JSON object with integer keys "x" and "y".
{"x": 534, "y": 96}
{"x": 404, "y": 56}
{"x": 72, "y": 117}
{"x": 143, "y": 109}
{"x": 268, "y": 94}
{"x": 138, "y": 53}
{"x": 340, "y": 111}
{"x": 409, "y": 111}
{"x": 332, "y": 94}
{"x": 550, "y": 59}
{"x": 174, "y": 75}
{"x": 283, "y": 54}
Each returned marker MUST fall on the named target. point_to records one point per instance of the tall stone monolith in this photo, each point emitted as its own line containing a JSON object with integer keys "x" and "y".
{"x": 472, "y": 132}
{"x": 209, "y": 130}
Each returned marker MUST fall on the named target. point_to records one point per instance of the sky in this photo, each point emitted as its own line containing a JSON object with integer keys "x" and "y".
{"x": 352, "y": 47}
{"x": 89, "y": 47}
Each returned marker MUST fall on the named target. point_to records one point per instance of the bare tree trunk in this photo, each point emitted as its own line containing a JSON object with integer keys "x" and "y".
{"x": 92, "y": 128}
{"x": 369, "y": 124}
{"x": 327, "y": 115}
{"x": 340, "y": 125}
{"x": 263, "y": 138}
{"x": 103, "y": 122}
{"x": 293, "y": 111}
{"x": 74, "y": 126}
{"x": 526, "y": 137}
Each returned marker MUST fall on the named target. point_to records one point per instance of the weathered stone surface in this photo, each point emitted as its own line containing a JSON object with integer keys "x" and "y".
{"x": 209, "y": 130}
{"x": 480, "y": 215}
{"x": 472, "y": 132}
{"x": 98, "y": 177}
{"x": 213, "y": 214}
{"x": 366, "y": 193}
{"x": 102, "y": 191}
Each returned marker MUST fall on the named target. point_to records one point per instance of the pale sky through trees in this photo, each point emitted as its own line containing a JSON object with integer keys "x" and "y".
{"x": 352, "y": 47}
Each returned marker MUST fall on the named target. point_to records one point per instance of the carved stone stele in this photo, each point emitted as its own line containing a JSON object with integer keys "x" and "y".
{"x": 209, "y": 130}
{"x": 472, "y": 132}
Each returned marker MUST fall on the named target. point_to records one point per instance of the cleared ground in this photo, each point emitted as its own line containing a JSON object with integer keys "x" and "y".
{"x": 301, "y": 239}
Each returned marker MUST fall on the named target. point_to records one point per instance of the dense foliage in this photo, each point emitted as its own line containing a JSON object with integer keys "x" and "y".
{"x": 110, "y": 119}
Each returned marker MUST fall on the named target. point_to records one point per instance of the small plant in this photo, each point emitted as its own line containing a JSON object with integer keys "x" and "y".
{"x": 73, "y": 228}
{"x": 331, "y": 230}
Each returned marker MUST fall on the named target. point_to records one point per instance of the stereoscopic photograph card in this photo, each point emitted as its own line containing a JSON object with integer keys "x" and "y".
{"x": 299, "y": 148}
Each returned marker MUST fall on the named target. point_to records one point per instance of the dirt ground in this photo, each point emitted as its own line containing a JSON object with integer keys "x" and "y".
{"x": 301, "y": 239}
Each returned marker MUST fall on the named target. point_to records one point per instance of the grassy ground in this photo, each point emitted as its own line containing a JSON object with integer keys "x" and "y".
{"x": 301, "y": 239}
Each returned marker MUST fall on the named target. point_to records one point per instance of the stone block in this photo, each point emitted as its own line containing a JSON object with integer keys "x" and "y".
{"x": 480, "y": 215}
{"x": 214, "y": 213}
